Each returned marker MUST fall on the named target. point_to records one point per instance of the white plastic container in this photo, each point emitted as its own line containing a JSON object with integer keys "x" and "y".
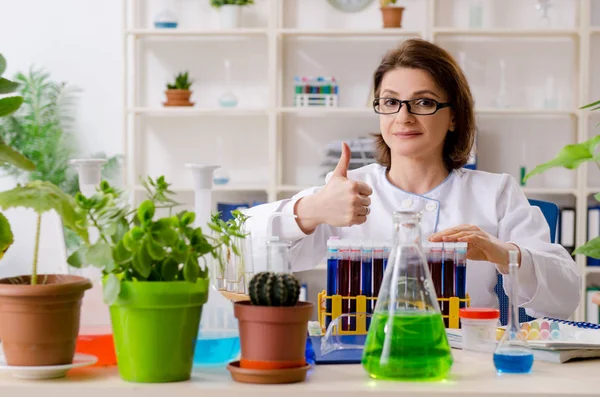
{"x": 479, "y": 327}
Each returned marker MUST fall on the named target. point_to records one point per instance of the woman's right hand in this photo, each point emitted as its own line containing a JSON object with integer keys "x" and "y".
{"x": 342, "y": 202}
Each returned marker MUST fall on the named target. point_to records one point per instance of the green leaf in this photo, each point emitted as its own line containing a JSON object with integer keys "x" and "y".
{"x": 137, "y": 233}
{"x": 146, "y": 210}
{"x": 590, "y": 249}
{"x": 77, "y": 258}
{"x": 570, "y": 157}
{"x": 191, "y": 269}
{"x": 7, "y": 86}
{"x": 111, "y": 289}
{"x": 188, "y": 218}
{"x": 142, "y": 261}
{"x": 43, "y": 196}
{"x": 156, "y": 251}
{"x": 122, "y": 228}
{"x": 6, "y": 236}
{"x": 130, "y": 243}
{"x": 597, "y": 196}
{"x": 169, "y": 269}
{"x": 10, "y": 105}
{"x": 2, "y": 64}
{"x": 100, "y": 255}
{"x": 121, "y": 254}
{"x": 597, "y": 103}
{"x": 11, "y": 156}
{"x": 166, "y": 237}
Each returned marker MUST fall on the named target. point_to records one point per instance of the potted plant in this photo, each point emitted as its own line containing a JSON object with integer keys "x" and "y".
{"x": 179, "y": 93}
{"x": 273, "y": 329}
{"x": 39, "y": 314}
{"x": 392, "y": 15}
{"x": 155, "y": 279}
{"x": 230, "y": 11}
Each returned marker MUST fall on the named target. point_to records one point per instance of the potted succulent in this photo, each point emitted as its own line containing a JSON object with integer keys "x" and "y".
{"x": 230, "y": 11}
{"x": 39, "y": 314}
{"x": 155, "y": 279}
{"x": 391, "y": 14}
{"x": 273, "y": 329}
{"x": 178, "y": 93}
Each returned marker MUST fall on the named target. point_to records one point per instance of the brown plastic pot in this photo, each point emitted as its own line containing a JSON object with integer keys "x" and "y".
{"x": 392, "y": 17}
{"x": 178, "y": 98}
{"x": 273, "y": 337}
{"x": 39, "y": 323}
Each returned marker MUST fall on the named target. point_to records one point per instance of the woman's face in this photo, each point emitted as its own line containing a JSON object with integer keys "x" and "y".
{"x": 410, "y": 135}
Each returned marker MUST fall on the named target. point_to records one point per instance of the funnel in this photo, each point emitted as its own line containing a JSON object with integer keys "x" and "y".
{"x": 90, "y": 174}
{"x": 203, "y": 182}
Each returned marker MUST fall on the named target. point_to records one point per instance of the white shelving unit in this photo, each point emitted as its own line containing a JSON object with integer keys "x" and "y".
{"x": 272, "y": 147}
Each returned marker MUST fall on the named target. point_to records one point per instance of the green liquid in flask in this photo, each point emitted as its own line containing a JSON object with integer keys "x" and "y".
{"x": 419, "y": 348}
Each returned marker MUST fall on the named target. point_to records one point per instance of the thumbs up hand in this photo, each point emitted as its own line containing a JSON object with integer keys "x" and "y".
{"x": 342, "y": 202}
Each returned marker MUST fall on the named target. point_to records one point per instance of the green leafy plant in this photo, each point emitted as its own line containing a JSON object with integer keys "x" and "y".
{"x": 182, "y": 82}
{"x": 137, "y": 245}
{"x": 220, "y": 3}
{"x": 386, "y": 3}
{"x": 571, "y": 157}
{"x": 229, "y": 236}
{"x": 271, "y": 289}
{"x": 42, "y": 197}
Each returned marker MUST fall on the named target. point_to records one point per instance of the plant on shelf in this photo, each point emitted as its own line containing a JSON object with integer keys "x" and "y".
{"x": 273, "y": 326}
{"x": 571, "y": 157}
{"x": 230, "y": 12}
{"x": 391, "y": 14}
{"x": 30, "y": 336}
{"x": 155, "y": 277}
{"x": 178, "y": 92}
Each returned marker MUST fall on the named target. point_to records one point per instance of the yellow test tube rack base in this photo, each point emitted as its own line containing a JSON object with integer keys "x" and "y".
{"x": 361, "y": 308}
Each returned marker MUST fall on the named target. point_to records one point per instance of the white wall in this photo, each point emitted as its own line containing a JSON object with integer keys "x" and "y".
{"x": 78, "y": 41}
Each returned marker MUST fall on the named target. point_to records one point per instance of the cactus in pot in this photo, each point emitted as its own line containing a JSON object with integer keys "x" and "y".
{"x": 270, "y": 289}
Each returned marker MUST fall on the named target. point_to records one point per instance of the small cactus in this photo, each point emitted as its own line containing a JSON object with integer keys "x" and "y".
{"x": 270, "y": 289}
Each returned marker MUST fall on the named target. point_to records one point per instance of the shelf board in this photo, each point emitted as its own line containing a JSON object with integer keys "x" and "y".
{"x": 196, "y": 111}
{"x": 395, "y": 32}
{"x": 241, "y": 188}
{"x": 196, "y": 33}
{"x": 327, "y": 110}
{"x": 526, "y": 112}
{"x": 521, "y": 33}
{"x": 549, "y": 190}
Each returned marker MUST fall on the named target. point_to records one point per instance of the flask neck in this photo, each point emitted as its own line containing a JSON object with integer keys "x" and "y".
{"x": 407, "y": 228}
{"x": 278, "y": 257}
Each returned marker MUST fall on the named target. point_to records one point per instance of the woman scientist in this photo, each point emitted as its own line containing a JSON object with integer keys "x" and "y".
{"x": 427, "y": 126}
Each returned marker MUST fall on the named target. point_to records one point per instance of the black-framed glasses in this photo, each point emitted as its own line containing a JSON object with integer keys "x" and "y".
{"x": 419, "y": 106}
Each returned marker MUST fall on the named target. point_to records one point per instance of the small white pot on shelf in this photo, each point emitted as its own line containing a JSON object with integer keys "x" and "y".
{"x": 231, "y": 16}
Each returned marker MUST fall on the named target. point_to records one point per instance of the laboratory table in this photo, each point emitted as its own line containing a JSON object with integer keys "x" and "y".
{"x": 473, "y": 374}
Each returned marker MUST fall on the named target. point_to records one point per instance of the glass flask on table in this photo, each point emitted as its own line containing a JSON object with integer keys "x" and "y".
{"x": 513, "y": 354}
{"x": 407, "y": 338}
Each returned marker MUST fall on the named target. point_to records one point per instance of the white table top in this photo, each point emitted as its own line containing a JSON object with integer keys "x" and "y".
{"x": 473, "y": 374}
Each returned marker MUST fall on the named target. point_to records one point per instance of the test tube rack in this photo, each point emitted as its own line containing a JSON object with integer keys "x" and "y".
{"x": 315, "y": 91}
{"x": 361, "y": 309}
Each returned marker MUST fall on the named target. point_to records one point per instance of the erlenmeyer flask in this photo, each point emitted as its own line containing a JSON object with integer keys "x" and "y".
{"x": 407, "y": 339}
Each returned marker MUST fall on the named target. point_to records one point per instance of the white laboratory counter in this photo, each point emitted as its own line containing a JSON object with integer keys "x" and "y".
{"x": 473, "y": 374}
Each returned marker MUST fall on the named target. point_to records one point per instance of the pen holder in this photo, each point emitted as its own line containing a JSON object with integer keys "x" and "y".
{"x": 357, "y": 322}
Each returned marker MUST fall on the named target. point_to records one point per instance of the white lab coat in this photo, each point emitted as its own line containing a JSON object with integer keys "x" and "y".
{"x": 548, "y": 277}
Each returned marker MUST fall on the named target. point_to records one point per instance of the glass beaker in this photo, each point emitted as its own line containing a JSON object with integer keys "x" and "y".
{"x": 407, "y": 339}
{"x": 513, "y": 354}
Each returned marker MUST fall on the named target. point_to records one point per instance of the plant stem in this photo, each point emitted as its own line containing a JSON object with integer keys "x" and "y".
{"x": 99, "y": 229}
{"x": 36, "y": 250}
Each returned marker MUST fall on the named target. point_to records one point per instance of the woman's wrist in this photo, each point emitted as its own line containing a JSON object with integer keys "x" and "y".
{"x": 306, "y": 210}
{"x": 506, "y": 247}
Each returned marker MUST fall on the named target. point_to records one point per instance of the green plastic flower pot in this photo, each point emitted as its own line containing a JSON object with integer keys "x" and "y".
{"x": 155, "y": 326}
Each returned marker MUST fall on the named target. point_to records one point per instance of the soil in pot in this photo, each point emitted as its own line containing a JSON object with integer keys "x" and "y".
{"x": 155, "y": 328}
{"x": 392, "y": 17}
{"x": 39, "y": 323}
{"x": 273, "y": 337}
{"x": 178, "y": 98}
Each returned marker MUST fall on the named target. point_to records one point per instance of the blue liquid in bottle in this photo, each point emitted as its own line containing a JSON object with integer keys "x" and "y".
{"x": 216, "y": 348}
{"x": 518, "y": 363}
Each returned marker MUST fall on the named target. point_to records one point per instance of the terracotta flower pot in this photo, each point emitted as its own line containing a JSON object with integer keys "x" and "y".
{"x": 392, "y": 17}
{"x": 178, "y": 98}
{"x": 39, "y": 323}
{"x": 273, "y": 337}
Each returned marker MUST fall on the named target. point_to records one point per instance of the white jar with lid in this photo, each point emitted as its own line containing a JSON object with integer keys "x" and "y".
{"x": 478, "y": 328}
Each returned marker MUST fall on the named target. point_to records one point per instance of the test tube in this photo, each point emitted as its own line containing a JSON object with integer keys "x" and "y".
{"x": 344, "y": 279}
{"x": 435, "y": 267}
{"x": 355, "y": 265}
{"x": 377, "y": 267}
{"x": 332, "y": 265}
{"x": 387, "y": 248}
{"x": 460, "y": 261}
{"x": 448, "y": 284}
{"x": 366, "y": 276}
